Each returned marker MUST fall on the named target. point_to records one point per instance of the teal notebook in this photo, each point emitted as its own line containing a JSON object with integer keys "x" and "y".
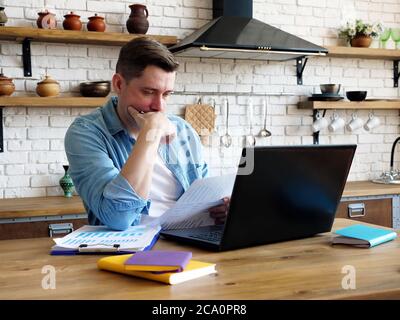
{"x": 363, "y": 236}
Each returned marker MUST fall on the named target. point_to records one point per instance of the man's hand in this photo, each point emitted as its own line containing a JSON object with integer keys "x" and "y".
{"x": 219, "y": 213}
{"x": 155, "y": 124}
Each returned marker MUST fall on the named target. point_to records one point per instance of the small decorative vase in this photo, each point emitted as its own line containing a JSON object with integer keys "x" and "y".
{"x": 48, "y": 87}
{"x": 96, "y": 23}
{"x": 7, "y": 86}
{"x": 46, "y": 20}
{"x": 361, "y": 41}
{"x": 137, "y": 21}
{"x": 66, "y": 183}
{"x": 72, "y": 22}
{"x": 3, "y": 17}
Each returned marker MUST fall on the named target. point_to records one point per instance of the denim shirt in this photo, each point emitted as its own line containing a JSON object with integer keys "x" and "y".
{"x": 97, "y": 146}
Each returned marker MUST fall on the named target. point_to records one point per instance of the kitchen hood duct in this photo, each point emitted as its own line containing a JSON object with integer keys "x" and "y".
{"x": 234, "y": 34}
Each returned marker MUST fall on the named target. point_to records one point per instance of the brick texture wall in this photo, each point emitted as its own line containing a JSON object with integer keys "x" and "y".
{"x": 34, "y": 154}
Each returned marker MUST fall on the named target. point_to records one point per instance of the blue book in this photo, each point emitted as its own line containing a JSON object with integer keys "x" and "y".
{"x": 363, "y": 236}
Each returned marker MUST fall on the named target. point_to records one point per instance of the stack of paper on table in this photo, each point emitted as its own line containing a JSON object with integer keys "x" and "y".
{"x": 194, "y": 269}
{"x": 190, "y": 211}
{"x": 89, "y": 239}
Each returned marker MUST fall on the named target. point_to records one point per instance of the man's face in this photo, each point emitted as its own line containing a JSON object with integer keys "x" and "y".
{"x": 148, "y": 93}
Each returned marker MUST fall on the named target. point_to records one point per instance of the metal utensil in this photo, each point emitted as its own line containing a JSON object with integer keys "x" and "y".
{"x": 264, "y": 132}
{"x": 250, "y": 139}
{"x": 226, "y": 139}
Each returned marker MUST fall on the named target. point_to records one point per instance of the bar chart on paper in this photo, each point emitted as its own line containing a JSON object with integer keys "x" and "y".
{"x": 133, "y": 237}
{"x": 106, "y": 237}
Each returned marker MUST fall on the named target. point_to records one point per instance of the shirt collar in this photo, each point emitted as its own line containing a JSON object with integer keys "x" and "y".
{"x": 111, "y": 117}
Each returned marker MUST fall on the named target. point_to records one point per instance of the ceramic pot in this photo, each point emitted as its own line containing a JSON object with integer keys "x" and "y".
{"x": 96, "y": 23}
{"x": 72, "y": 22}
{"x": 3, "y": 17}
{"x": 66, "y": 183}
{"x": 46, "y": 20}
{"x": 48, "y": 87}
{"x": 95, "y": 88}
{"x": 361, "y": 41}
{"x": 137, "y": 21}
{"x": 7, "y": 87}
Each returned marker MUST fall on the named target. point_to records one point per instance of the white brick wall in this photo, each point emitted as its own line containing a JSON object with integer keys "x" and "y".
{"x": 34, "y": 153}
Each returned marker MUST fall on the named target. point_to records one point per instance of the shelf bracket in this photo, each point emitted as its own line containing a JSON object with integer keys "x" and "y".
{"x": 1, "y": 131}
{"x": 26, "y": 57}
{"x": 396, "y": 73}
{"x": 300, "y": 65}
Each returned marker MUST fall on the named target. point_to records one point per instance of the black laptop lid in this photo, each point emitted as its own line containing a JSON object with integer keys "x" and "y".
{"x": 287, "y": 193}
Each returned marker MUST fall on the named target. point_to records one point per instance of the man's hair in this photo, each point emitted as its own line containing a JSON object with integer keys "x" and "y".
{"x": 141, "y": 52}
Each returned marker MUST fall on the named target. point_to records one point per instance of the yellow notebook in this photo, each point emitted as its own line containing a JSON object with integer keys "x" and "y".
{"x": 193, "y": 270}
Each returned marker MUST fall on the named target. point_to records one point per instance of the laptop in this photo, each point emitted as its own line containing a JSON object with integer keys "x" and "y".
{"x": 291, "y": 192}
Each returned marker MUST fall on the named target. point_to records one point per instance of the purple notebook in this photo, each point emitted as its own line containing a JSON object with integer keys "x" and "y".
{"x": 158, "y": 261}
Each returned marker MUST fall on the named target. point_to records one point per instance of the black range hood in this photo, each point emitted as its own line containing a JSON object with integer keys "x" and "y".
{"x": 234, "y": 34}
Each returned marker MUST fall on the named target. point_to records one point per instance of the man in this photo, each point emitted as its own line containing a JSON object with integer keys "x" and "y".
{"x": 129, "y": 158}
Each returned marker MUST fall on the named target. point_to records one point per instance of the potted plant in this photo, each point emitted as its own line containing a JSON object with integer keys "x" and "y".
{"x": 359, "y": 33}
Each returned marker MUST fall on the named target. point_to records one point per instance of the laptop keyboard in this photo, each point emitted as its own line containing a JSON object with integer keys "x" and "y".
{"x": 212, "y": 236}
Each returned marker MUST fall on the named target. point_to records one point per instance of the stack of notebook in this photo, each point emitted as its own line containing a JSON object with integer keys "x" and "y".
{"x": 170, "y": 267}
{"x": 363, "y": 236}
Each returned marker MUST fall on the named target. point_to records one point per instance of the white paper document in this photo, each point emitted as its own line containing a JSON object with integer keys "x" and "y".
{"x": 190, "y": 210}
{"x": 133, "y": 239}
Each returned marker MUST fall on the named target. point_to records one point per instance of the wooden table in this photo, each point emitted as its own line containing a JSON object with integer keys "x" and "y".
{"x": 302, "y": 269}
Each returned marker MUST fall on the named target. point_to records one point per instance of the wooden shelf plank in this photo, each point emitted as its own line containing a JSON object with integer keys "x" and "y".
{"x": 379, "y": 104}
{"x": 51, "y": 102}
{"x": 363, "y": 53}
{"x": 368, "y": 188}
{"x": 40, "y": 206}
{"x": 81, "y": 37}
{"x": 58, "y": 205}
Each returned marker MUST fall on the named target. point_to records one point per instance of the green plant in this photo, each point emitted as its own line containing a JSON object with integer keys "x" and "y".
{"x": 360, "y": 28}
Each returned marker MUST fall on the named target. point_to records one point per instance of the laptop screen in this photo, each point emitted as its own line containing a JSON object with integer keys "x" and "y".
{"x": 288, "y": 192}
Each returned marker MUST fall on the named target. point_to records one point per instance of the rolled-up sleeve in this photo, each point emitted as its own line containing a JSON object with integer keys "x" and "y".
{"x": 98, "y": 181}
{"x": 196, "y": 155}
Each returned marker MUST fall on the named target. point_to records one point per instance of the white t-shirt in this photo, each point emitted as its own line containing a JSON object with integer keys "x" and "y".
{"x": 165, "y": 189}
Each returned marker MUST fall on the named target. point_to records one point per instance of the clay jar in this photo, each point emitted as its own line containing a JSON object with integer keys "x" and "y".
{"x": 137, "y": 22}
{"x": 361, "y": 41}
{"x": 48, "y": 87}
{"x": 7, "y": 87}
{"x": 72, "y": 22}
{"x": 46, "y": 20}
{"x": 96, "y": 23}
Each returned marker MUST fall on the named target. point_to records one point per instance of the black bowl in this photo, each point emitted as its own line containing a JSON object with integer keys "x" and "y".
{"x": 356, "y": 95}
{"x": 95, "y": 88}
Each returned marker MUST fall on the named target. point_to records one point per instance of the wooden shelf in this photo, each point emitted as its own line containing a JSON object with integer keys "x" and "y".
{"x": 378, "y": 104}
{"x": 51, "y": 102}
{"x": 82, "y": 37}
{"x": 40, "y": 206}
{"x": 363, "y": 53}
{"x": 58, "y": 205}
{"x": 368, "y": 188}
